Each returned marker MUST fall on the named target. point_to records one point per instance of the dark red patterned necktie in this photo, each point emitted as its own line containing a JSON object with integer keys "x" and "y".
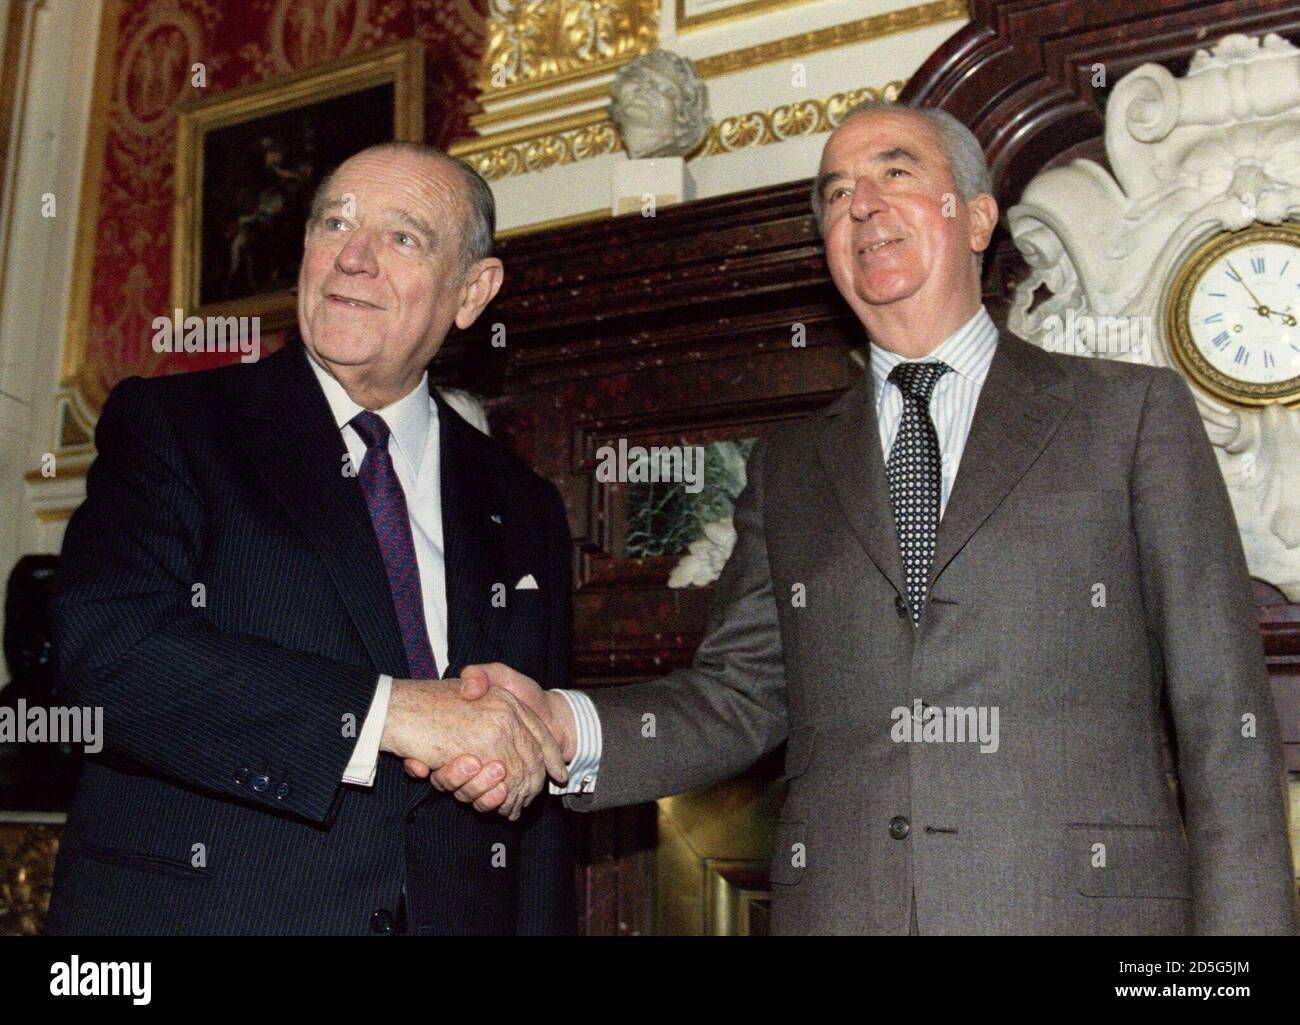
{"x": 387, "y": 504}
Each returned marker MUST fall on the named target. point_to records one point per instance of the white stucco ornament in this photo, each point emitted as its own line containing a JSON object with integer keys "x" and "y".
{"x": 1181, "y": 255}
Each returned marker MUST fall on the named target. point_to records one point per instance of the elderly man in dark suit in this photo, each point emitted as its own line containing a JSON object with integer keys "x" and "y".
{"x": 277, "y": 571}
{"x": 1015, "y": 564}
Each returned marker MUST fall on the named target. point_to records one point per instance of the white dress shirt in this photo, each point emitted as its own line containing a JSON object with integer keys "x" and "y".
{"x": 413, "y": 446}
{"x": 969, "y": 351}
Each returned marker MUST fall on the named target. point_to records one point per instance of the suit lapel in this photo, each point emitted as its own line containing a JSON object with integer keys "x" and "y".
{"x": 290, "y": 436}
{"x": 1020, "y": 407}
{"x": 849, "y": 449}
{"x": 475, "y": 525}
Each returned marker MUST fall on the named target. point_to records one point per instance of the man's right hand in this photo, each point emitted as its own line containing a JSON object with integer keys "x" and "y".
{"x": 469, "y": 778}
{"x": 431, "y": 723}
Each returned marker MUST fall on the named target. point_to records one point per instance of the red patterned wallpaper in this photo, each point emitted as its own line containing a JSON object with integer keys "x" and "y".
{"x": 240, "y": 42}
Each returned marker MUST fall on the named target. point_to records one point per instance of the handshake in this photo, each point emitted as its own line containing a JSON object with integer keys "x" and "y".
{"x": 491, "y": 737}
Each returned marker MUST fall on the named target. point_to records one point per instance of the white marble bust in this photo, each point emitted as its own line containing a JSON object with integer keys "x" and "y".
{"x": 661, "y": 106}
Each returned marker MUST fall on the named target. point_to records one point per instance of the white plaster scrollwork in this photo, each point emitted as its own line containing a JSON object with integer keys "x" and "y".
{"x": 1215, "y": 150}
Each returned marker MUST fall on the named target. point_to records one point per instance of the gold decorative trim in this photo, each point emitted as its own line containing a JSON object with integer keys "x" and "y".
{"x": 73, "y": 438}
{"x": 909, "y": 19}
{"x": 13, "y": 104}
{"x": 592, "y": 134}
{"x": 712, "y": 857}
{"x": 736, "y": 901}
{"x": 789, "y": 121}
{"x": 76, "y": 372}
{"x": 36, "y": 477}
{"x": 586, "y": 135}
{"x": 75, "y": 432}
{"x": 539, "y": 44}
{"x": 545, "y": 144}
{"x": 690, "y": 22}
{"x": 1188, "y": 357}
{"x": 495, "y": 117}
{"x": 530, "y": 133}
{"x": 555, "y": 222}
{"x": 1294, "y": 788}
{"x": 55, "y": 515}
{"x": 27, "y": 853}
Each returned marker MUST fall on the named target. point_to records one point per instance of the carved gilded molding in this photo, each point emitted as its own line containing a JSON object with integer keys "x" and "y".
{"x": 688, "y": 21}
{"x": 13, "y": 93}
{"x": 587, "y": 94}
{"x": 59, "y": 515}
{"x": 592, "y": 134}
{"x": 789, "y": 121}
{"x": 537, "y": 44}
{"x": 26, "y": 876}
{"x": 553, "y": 143}
{"x": 78, "y": 373}
{"x": 558, "y": 142}
{"x": 908, "y": 19}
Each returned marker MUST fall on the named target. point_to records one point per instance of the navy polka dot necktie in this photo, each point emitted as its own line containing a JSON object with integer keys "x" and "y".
{"x": 387, "y": 504}
{"x": 913, "y": 471}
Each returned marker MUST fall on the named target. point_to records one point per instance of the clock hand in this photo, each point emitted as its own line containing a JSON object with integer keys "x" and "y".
{"x": 1260, "y": 308}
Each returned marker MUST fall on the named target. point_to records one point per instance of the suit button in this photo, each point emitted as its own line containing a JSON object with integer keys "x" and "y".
{"x": 281, "y": 791}
{"x": 381, "y": 922}
{"x": 261, "y": 783}
{"x": 242, "y": 777}
{"x": 899, "y": 827}
{"x": 900, "y": 607}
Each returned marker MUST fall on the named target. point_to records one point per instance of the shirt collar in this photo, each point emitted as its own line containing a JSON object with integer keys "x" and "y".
{"x": 409, "y": 418}
{"x": 968, "y": 350}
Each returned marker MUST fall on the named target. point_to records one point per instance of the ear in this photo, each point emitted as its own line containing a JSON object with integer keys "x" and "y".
{"x": 983, "y": 213}
{"x": 481, "y": 284}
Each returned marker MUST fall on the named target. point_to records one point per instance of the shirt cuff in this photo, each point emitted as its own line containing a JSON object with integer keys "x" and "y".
{"x": 365, "y": 756}
{"x": 586, "y": 761}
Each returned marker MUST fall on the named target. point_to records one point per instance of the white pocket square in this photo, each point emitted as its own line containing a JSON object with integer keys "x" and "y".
{"x": 526, "y": 584}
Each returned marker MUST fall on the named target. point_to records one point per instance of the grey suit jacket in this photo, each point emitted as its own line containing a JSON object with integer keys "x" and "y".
{"x": 1087, "y": 575}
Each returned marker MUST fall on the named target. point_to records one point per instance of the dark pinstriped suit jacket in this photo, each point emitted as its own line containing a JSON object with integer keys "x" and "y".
{"x": 224, "y": 724}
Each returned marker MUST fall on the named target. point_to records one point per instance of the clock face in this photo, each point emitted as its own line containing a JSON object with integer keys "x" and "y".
{"x": 1234, "y": 316}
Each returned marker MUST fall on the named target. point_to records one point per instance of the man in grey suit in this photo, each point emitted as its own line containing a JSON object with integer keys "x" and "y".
{"x": 970, "y": 595}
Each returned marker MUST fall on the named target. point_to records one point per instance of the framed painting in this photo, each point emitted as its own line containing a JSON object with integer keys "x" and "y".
{"x": 248, "y": 162}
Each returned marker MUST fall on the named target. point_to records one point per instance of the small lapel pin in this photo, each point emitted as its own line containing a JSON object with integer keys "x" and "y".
{"x": 496, "y": 517}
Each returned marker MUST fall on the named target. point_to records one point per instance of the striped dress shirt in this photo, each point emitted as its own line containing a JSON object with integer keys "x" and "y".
{"x": 969, "y": 351}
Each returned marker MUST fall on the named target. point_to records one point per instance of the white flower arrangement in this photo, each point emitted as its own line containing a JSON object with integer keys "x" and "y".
{"x": 706, "y": 557}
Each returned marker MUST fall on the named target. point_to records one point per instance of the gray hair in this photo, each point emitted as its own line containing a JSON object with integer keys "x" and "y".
{"x": 957, "y": 143}
{"x": 480, "y": 209}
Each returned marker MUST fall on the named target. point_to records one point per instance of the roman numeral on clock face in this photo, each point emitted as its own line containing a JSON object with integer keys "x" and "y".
{"x": 1237, "y": 331}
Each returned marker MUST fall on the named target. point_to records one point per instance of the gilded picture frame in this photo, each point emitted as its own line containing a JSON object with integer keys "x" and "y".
{"x": 249, "y": 160}
{"x": 694, "y": 14}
